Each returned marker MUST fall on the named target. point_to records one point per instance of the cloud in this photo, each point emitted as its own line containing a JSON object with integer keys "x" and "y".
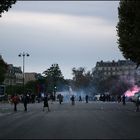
{"x": 67, "y": 39}
{"x": 79, "y": 26}
{"x": 104, "y": 9}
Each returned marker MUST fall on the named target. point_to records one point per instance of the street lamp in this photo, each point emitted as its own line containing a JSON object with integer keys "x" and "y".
{"x": 23, "y": 55}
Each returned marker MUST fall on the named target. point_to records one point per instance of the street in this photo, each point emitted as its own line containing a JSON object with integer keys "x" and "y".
{"x": 93, "y": 120}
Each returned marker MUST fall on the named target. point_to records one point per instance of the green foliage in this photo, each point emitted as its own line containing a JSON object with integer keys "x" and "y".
{"x": 12, "y": 89}
{"x": 78, "y": 77}
{"x": 5, "y": 5}
{"x": 3, "y": 70}
{"x": 114, "y": 85}
{"x": 54, "y": 77}
{"x": 128, "y": 29}
{"x": 119, "y": 87}
{"x": 31, "y": 86}
{"x": 82, "y": 79}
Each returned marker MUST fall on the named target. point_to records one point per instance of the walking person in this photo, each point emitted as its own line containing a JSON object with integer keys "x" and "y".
{"x": 119, "y": 98}
{"x": 15, "y": 100}
{"x": 123, "y": 99}
{"x": 60, "y": 98}
{"x": 86, "y": 98}
{"x": 46, "y": 104}
{"x": 80, "y": 98}
{"x": 137, "y": 104}
{"x": 52, "y": 98}
{"x": 25, "y": 101}
{"x": 73, "y": 100}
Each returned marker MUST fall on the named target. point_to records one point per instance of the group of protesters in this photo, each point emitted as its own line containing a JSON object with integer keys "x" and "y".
{"x": 25, "y": 99}
{"x": 15, "y": 99}
{"x": 80, "y": 99}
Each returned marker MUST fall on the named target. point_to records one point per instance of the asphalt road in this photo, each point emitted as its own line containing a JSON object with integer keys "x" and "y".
{"x": 95, "y": 120}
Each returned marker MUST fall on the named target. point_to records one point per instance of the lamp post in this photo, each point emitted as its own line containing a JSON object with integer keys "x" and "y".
{"x": 54, "y": 92}
{"x": 23, "y": 55}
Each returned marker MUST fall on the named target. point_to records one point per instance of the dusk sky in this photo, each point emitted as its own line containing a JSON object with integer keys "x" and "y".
{"x": 69, "y": 33}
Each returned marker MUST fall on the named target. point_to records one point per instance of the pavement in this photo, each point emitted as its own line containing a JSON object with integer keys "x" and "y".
{"x": 93, "y": 120}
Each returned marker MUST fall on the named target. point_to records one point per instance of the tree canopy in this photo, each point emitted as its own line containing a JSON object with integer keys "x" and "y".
{"x": 3, "y": 70}
{"x": 128, "y": 29}
{"x": 5, "y": 5}
{"x": 53, "y": 77}
{"x": 82, "y": 80}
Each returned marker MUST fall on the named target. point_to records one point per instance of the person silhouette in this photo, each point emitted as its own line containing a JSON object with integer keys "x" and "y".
{"x": 46, "y": 104}
{"x": 15, "y": 100}
{"x": 137, "y": 104}
{"x": 25, "y": 101}
{"x": 123, "y": 99}
{"x": 73, "y": 100}
{"x": 80, "y": 98}
{"x": 86, "y": 98}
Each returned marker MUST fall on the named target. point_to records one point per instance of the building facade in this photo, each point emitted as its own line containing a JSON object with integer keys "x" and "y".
{"x": 123, "y": 68}
{"x": 13, "y": 76}
{"x": 30, "y": 76}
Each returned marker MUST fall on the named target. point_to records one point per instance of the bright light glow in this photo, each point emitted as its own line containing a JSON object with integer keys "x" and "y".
{"x": 132, "y": 91}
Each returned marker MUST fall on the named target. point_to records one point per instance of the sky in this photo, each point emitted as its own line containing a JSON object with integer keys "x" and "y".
{"x": 69, "y": 33}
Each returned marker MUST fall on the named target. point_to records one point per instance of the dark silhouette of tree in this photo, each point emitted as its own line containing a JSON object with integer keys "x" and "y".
{"x": 54, "y": 78}
{"x": 98, "y": 81}
{"x": 78, "y": 77}
{"x": 5, "y": 5}
{"x": 31, "y": 85}
{"x": 3, "y": 70}
{"x": 82, "y": 79}
{"x": 128, "y": 29}
{"x": 114, "y": 85}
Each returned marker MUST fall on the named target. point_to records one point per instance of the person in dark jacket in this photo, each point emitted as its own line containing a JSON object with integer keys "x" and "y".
{"x": 86, "y": 98}
{"x": 80, "y": 98}
{"x": 123, "y": 99}
{"x": 25, "y": 101}
{"x": 46, "y": 104}
{"x": 137, "y": 103}
{"x": 73, "y": 100}
{"x": 60, "y": 97}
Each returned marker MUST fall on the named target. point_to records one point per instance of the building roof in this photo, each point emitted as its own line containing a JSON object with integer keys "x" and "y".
{"x": 115, "y": 63}
{"x": 30, "y": 76}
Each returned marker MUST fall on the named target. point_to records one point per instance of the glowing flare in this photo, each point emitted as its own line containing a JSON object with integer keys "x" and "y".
{"x": 132, "y": 91}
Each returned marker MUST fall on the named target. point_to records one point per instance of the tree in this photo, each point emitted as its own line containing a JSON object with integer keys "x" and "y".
{"x": 115, "y": 85}
{"x": 78, "y": 78}
{"x": 82, "y": 80}
{"x": 53, "y": 77}
{"x": 128, "y": 29}
{"x": 5, "y": 5}
{"x": 31, "y": 85}
{"x": 12, "y": 89}
{"x": 98, "y": 81}
{"x": 120, "y": 86}
{"x": 3, "y": 70}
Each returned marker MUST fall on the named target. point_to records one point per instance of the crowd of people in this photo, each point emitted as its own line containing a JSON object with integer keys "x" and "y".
{"x": 26, "y": 98}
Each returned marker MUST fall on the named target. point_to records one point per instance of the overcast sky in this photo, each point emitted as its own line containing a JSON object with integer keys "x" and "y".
{"x": 69, "y": 33}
